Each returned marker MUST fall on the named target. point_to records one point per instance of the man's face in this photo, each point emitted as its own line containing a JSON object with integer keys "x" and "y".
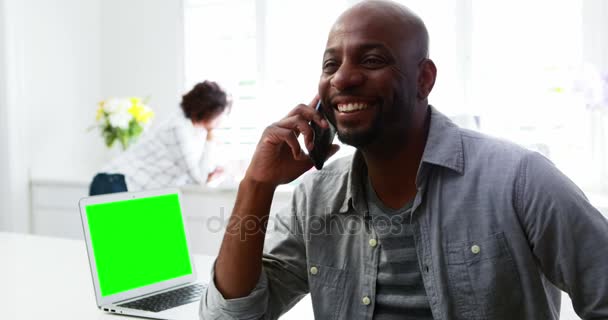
{"x": 368, "y": 85}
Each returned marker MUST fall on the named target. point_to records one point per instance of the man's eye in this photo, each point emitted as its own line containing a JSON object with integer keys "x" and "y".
{"x": 330, "y": 66}
{"x": 373, "y": 62}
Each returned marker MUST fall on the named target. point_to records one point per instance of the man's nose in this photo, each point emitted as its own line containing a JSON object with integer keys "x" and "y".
{"x": 346, "y": 77}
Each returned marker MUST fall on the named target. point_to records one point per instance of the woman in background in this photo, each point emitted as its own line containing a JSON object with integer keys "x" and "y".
{"x": 175, "y": 153}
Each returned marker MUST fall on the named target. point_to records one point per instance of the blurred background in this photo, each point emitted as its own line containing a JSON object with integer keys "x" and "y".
{"x": 534, "y": 72}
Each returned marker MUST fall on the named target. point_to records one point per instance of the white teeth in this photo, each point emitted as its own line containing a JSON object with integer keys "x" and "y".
{"x": 351, "y": 107}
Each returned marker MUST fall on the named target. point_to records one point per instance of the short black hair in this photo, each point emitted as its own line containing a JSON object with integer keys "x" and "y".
{"x": 204, "y": 102}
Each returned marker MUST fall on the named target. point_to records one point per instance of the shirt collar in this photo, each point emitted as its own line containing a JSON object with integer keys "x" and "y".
{"x": 444, "y": 143}
{"x": 443, "y": 148}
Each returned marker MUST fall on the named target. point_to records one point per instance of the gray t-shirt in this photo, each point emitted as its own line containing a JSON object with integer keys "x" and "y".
{"x": 400, "y": 292}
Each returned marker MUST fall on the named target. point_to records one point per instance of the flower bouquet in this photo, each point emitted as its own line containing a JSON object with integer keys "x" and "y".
{"x": 122, "y": 120}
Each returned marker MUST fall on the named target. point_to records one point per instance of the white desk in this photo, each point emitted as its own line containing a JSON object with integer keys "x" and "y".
{"x": 49, "y": 278}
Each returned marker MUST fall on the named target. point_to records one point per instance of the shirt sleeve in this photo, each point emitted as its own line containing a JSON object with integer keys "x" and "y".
{"x": 215, "y": 306}
{"x": 206, "y": 163}
{"x": 191, "y": 145}
{"x": 283, "y": 282}
{"x": 568, "y": 236}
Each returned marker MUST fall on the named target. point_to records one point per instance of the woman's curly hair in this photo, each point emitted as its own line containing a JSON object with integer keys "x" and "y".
{"x": 204, "y": 102}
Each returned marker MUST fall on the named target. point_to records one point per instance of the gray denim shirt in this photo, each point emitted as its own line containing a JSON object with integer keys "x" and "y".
{"x": 497, "y": 228}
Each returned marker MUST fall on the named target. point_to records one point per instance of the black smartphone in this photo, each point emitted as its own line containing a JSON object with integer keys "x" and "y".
{"x": 323, "y": 139}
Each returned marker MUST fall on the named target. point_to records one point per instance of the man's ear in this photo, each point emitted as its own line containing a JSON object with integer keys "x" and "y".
{"x": 426, "y": 78}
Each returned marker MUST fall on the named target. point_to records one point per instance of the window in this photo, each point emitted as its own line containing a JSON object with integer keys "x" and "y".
{"x": 528, "y": 83}
{"x": 507, "y": 68}
{"x": 266, "y": 53}
{"x": 221, "y": 45}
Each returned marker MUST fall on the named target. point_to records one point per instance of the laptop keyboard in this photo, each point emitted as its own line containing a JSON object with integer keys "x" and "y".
{"x": 167, "y": 300}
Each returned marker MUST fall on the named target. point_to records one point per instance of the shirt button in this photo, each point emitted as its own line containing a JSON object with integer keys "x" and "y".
{"x": 373, "y": 243}
{"x": 314, "y": 270}
{"x": 475, "y": 249}
{"x": 366, "y": 301}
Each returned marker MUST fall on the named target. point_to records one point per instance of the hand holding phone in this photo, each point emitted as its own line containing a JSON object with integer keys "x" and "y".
{"x": 322, "y": 140}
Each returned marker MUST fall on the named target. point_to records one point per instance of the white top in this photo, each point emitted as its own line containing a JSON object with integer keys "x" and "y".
{"x": 172, "y": 154}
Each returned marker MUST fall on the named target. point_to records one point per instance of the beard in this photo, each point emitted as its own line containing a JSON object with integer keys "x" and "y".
{"x": 361, "y": 137}
{"x": 389, "y": 124}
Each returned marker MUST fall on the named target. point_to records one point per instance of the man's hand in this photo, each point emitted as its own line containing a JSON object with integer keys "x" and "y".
{"x": 278, "y": 158}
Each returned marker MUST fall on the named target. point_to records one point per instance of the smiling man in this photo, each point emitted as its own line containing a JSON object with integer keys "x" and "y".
{"x": 425, "y": 221}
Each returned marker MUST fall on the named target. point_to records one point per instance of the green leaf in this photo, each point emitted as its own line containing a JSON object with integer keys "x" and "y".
{"x": 136, "y": 130}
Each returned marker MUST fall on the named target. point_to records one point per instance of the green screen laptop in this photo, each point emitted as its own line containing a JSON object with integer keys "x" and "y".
{"x": 138, "y": 254}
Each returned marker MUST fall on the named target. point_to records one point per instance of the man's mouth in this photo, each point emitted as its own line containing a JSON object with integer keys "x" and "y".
{"x": 352, "y": 107}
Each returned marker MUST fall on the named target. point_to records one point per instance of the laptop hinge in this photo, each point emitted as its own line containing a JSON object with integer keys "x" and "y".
{"x": 153, "y": 293}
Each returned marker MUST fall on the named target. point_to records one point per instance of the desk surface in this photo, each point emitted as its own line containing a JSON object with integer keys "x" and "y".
{"x": 49, "y": 278}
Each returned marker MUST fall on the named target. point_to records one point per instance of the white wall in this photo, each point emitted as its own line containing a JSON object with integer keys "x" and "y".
{"x": 595, "y": 51}
{"x": 14, "y": 163}
{"x": 61, "y": 80}
{"x": 51, "y": 81}
{"x": 77, "y": 53}
{"x": 142, "y": 51}
{"x": 57, "y": 60}
{"x": 4, "y": 183}
{"x": 595, "y": 24}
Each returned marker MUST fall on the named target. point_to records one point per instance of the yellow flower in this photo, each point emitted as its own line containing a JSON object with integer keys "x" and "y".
{"x": 146, "y": 115}
{"x": 140, "y": 112}
{"x": 100, "y": 111}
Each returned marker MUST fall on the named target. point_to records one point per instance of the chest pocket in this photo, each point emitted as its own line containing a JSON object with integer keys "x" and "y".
{"x": 326, "y": 290}
{"x": 483, "y": 280}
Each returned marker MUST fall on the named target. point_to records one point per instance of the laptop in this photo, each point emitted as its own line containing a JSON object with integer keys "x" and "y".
{"x": 139, "y": 254}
